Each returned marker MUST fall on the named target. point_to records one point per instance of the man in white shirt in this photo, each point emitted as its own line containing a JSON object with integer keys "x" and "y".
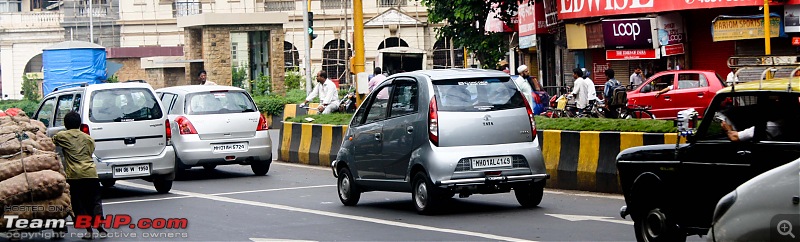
{"x": 523, "y": 85}
{"x": 202, "y": 77}
{"x": 732, "y": 76}
{"x": 583, "y": 89}
{"x": 637, "y": 78}
{"x": 328, "y": 95}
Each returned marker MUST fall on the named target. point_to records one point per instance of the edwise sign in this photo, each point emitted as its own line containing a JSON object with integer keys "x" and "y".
{"x": 628, "y": 34}
{"x": 572, "y": 9}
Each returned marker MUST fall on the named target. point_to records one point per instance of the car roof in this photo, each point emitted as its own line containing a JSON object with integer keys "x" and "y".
{"x": 447, "y": 74}
{"x": 101, "y": 86}
{"x": 779, "y": 84}
{"x": 198, "y": 88}
{"x": 686, "y": 71}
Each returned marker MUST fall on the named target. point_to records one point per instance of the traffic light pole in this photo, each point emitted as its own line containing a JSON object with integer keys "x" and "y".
{"x": 358, "y": 41}
{"x": 307, "y": 57}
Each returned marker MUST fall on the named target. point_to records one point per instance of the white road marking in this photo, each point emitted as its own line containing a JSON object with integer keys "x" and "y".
{"x": 144, "y": 200}
{"x": 270, "y": 190}
{"x": 574, "y": 218}
{"x": 303, "y": 166}
{"x": 215, "y": 194}
{"x": 584, "y": 194}
{"x": 331, "y": 214}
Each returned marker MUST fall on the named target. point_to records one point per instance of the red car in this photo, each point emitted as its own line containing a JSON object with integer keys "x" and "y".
{"x": 694, "y": 89}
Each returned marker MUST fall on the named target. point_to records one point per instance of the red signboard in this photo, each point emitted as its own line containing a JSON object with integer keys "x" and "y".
{"x": 631, "y": 54}
{"x": 676, "y": 49}
{"x": 531, "y": 18}
{"x": 573, "y": 9}
{"x": 795, "y": 40}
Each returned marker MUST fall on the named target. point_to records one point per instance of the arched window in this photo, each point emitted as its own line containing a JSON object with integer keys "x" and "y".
{"x": 442, "y": 52}
{"x": 291, "y": 57}
{"x": 392, "y": 42}
{"x": 334, "y": 58}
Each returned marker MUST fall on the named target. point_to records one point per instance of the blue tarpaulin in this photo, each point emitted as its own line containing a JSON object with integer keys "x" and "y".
{"x": 73, "y": 62}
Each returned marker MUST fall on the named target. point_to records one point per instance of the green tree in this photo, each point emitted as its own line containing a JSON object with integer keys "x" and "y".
{"x": 238, "y": 76}
{"x": 30, "y": 89}
{"x": 262, "y": 86}
{"x": 293, "y": 79}
{"x": 465, "y": 22}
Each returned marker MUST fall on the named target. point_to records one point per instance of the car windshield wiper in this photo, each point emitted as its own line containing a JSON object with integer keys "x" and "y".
{"x": 248, "y": 110}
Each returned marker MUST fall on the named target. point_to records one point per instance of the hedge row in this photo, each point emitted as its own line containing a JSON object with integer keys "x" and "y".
{"x": 542, "y": 123}
{"x": 28, "y": 106}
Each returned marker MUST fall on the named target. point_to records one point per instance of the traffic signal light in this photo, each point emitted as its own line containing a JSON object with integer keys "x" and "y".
{"x": 311, "y": 25}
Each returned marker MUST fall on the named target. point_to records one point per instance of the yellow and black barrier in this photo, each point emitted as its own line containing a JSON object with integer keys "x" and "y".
{"x": 575, "y": 160}
{"x": 294, "y": 110}
{"x": 311, "y": 144}
{"x": 586, "y": 160}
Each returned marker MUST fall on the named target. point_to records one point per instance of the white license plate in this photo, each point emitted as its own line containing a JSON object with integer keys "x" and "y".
{"x": 491, "y": 162}
{"x": 132, "y": 170}
{"x": 227, "y": 148}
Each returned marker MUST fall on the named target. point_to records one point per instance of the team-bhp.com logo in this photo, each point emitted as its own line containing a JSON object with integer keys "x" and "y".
{"x": 85, "y": 221}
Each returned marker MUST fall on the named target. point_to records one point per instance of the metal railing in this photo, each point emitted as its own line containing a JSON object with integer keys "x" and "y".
{"x": 392, "y": 3}
{"x": 186, "y": 8}
{"x": 97, "y": 11}
{"x": 272, "y": 6}
{"x": 31, "y": 20}
{"x": 336, "y": 4}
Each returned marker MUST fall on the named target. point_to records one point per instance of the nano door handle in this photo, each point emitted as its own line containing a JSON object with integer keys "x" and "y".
{"x": 410, "y": 129}
{"x": 666, "y": 97}
{"x": 700, "y": 95}
{"x": 743, "y": 152}
{"x": 378, "y": 137}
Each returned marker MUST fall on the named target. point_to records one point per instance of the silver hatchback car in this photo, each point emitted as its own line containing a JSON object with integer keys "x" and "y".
{"x": 436, "y": 133}
{"x": 217, "y": 125}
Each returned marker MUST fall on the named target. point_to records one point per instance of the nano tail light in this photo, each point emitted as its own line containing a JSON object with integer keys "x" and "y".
{"x": 85, "y": 129}
{"x": 184, "y": 126}
{"x": 433, "y": 122}
{"x": 530, "y": 118}
{"x": 168, "y": 127}
{"x": 262, "y": 123}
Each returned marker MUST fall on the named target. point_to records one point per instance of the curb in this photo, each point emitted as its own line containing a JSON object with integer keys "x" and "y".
{"x": 575, "y": 160}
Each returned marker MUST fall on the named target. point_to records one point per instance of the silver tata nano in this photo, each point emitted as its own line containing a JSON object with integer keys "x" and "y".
{"x": 436, "y": 133}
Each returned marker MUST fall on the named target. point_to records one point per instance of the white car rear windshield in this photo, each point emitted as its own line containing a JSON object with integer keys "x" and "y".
{"x": 219, "y": 102}
{"x": 124, "y": 105}
{"x": 477, "y": 95}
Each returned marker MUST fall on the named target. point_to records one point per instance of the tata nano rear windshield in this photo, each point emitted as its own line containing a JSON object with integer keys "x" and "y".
{"x": 477, "y": 95}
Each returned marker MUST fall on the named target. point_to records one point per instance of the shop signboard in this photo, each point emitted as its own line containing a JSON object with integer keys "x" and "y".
{"x": 670, "y": 29}
{"x": 725, "y": 28}
{"x": 531, "y": 23}
{"x": 629, "y": 34}
{"x": 576, "y": 9}
{"x": 675, "y": 49}
{"x": 632, "y": 54}
{"x": 594, "y": 36}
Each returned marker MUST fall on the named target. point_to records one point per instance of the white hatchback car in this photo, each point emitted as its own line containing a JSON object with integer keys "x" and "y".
{"x": 765, "y": 208}
{"x": 217, "y": 125}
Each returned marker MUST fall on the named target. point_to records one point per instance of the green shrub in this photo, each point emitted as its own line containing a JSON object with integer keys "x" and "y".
{"x": 112, "y": 79}
{"x": 261, "y": 86}
{"x": 29, "y": 106}
{"x": 600, "y": 124}
{"x": 297, "y": 96}
{"x": 238, "y": 75}
{"x": 334, "y": 118}
{"x": 30, "y": 89}
{"x": 292, "y": 80}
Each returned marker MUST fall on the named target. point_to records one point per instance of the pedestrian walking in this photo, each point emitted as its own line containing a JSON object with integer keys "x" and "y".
{"x": 523, "y": 84}
{"x": 77, "y": 148}
{"x": 582, "y": 90}
{"x": 202, "y": 78}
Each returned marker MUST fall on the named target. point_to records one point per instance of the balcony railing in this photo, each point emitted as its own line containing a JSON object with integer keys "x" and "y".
{"x": 392, "y": 3}
{"x": 272, "y": 6}
{"x": 97, "y": 11}
{"x": 336, "y": 4}
{"x": 31, "y": 20}
{"x": 186, "y": 8}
